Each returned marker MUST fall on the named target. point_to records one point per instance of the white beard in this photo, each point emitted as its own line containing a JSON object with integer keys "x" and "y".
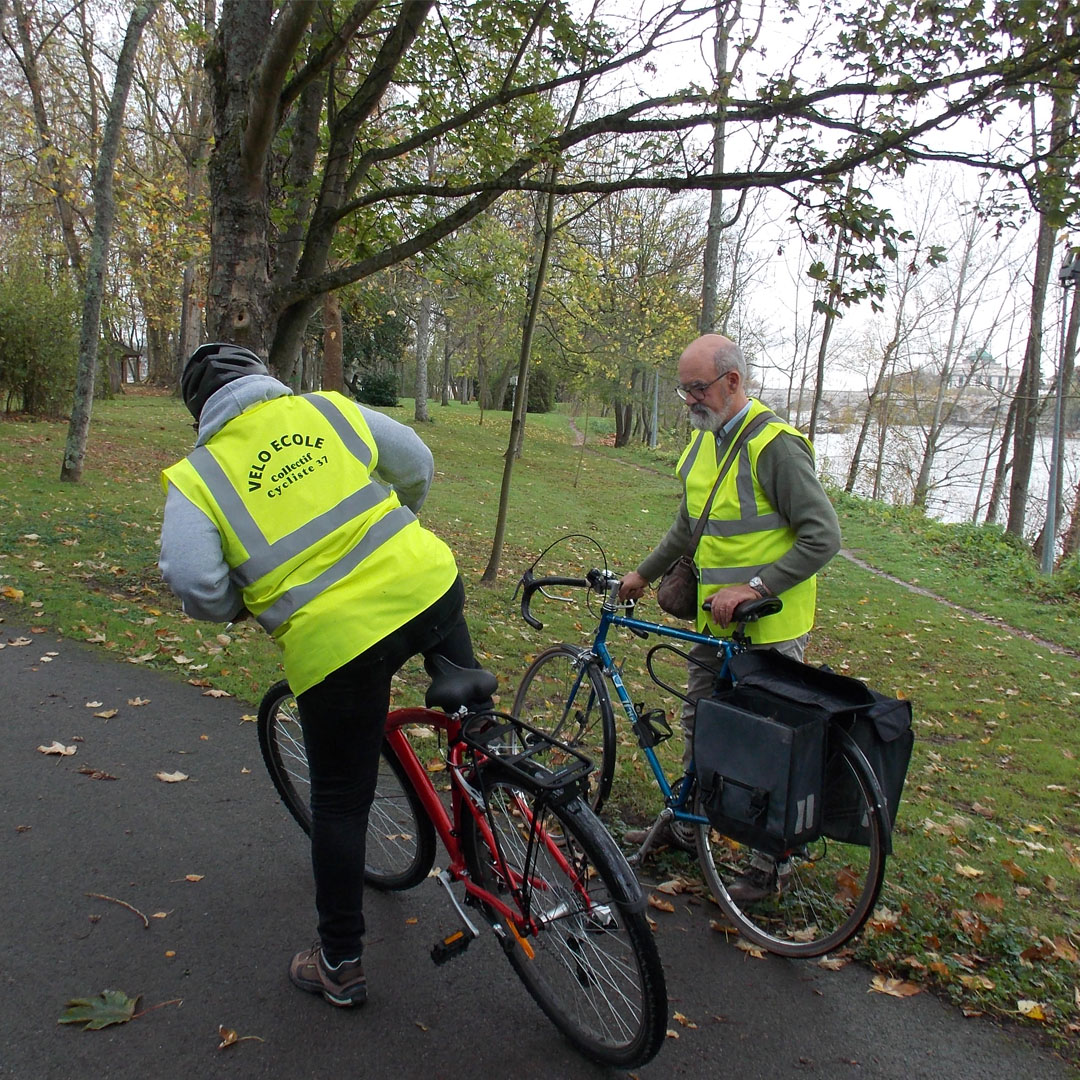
{"x": 702, "y": 418}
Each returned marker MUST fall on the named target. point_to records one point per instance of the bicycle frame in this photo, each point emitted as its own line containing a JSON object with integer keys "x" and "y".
{"x": 464, "y": 799}
{"x": 675, "y": 798}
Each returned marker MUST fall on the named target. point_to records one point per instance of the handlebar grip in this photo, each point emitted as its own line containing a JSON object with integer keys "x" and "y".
{"x": 531, "y": 584}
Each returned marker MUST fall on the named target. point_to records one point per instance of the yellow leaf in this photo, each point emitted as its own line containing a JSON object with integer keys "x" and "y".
{"x": 893, "y": 987}
{"x": 170, "y": 777}
{"x": 194, "y": 877}
{"x": 9, "y": 592}
{"x": 107, "y": 714}
{"x": 1031, "y": 1009}
{"x": 138, "y": 701}
{"x": 683, "y": 1021}
{"x": 967, "y": 871}
{"x": 751, "y": 948}
{"x": 660, "y": 904}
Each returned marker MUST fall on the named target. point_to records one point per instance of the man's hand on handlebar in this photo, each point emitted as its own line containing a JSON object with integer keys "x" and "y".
{"x": 722, "y": 604}
{"x": 632, "y": 586}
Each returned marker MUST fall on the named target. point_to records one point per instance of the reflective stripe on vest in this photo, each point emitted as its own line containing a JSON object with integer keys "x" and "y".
{"x": 265, "y": 557}
{"x": 748, "y": 534}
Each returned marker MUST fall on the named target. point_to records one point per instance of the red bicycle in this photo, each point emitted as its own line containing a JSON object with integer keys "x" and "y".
{"x": 533, "y": 858}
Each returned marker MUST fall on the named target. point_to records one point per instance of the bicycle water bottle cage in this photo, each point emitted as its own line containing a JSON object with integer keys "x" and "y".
{"x": 651, "y": 727}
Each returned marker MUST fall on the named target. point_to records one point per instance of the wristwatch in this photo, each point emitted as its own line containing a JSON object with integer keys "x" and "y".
{"x": 758, "y": 586}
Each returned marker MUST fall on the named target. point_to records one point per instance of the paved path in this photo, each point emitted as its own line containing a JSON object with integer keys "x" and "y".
{"x": 224, "y": 943}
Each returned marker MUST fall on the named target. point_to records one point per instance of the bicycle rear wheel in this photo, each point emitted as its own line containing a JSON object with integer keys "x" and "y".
{"x": 567, "y": 698}
{"x": 592, "y": 964}
{"x": 400, "y": 838}
{"x": 829, "y": 886}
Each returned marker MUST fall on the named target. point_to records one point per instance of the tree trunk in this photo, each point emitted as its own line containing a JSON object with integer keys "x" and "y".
{"x": 1004, "y": 464}
{"x": 423, "y": 348}
{"x": 104, "y": 216}
{"x": 333, "y": 372}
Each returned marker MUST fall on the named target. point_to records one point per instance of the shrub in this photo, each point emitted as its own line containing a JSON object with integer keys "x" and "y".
{"x": 39, "y": 342}
{"x": 377, "y": 388}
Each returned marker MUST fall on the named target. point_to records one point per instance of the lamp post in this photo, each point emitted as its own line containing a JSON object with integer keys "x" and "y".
{"x": 1068, "y": 275}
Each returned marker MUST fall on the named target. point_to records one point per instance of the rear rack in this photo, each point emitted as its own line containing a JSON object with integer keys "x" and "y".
{"x": 515, "y": 751}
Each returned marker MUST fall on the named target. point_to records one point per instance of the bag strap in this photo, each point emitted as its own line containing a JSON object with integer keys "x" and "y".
{"x": 752, "y": 428}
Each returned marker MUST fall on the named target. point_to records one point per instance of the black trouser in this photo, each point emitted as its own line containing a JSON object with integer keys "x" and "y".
{"x": 343, "y": 718}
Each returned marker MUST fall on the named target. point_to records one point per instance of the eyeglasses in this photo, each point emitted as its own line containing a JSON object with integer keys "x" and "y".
{"x": 696, "y": 390}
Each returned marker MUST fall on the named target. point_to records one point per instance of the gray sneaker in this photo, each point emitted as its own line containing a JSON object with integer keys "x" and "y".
{"x": 342, "y": 985}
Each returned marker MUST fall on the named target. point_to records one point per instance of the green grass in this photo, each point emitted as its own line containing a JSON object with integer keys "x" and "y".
{"x": 981, "y": 899}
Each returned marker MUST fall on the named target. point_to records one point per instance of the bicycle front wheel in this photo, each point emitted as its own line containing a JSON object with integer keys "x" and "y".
{"x": 400, "y": 837}
{"x": 820, "y": 896}
{"x": 582, "y": 946}
{"x": 567, "y": 698}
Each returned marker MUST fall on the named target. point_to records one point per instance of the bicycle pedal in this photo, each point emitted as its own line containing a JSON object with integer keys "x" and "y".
{"x": 452, "y": 945}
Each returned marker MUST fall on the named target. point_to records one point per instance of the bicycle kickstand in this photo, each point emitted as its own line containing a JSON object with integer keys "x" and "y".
{"x": 662, "y": 819}
{"x": 456, "y": 943}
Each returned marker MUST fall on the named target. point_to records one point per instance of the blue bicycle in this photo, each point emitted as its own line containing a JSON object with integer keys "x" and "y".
{"x": 823, "y": 891}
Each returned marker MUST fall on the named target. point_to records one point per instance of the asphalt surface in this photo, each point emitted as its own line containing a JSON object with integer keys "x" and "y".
{"x": 219, "y": 956}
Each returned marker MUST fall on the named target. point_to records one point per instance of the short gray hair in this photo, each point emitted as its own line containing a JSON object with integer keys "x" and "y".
{"x": 729, "y": 357}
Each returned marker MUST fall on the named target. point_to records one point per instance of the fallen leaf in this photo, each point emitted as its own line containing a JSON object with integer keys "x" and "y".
{"x": 170, "y": 777}
{"x": 194, "y": 877}
{"x": 749, "y": 947}
{"x": 94, "y": 704}
{"x": 893, "y": 987}
{"x": 832, "y": 963}
{"x": 136, "y": 701}
{"x": 1031, "y": 1009}
{"x": 967, "y": 871}
{"x": 683, "y": 1021}
{"x": 9, "y": 592}
{"x": 230, "y": 1038}
{"x": 107, "y": 714}
{"x": 216, "y": 693}
{"x": 96, "y": 774}
{"x": 57, "y": 748}
{"x": 108, "y": 1007}
{"x": 660, "y": 903}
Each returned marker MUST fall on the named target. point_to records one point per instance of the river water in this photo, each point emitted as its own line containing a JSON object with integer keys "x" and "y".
{"x": 962, "y": 475}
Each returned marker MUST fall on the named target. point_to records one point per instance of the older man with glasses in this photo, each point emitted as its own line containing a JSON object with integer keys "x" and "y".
{"x": 770, "y": 529}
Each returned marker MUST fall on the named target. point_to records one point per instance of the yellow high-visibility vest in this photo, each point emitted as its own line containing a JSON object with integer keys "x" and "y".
{"x": 744, "y": 533}
{"x": 327, "y": 559}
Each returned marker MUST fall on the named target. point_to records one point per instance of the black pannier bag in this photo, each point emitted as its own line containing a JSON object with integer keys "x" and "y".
{"x": 760, "y": 769}
{"x": 879, "y": 725}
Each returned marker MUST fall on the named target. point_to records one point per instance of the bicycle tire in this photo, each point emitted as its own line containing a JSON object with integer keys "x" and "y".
{"x": 549, "y": 698}
{"x": 593, "y": 966}
{"x": 400, "y": 838}
{"x": 832, "y": 887}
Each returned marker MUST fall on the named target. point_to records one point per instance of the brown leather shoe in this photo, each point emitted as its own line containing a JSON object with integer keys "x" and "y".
{"x": 342, "y": 985}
